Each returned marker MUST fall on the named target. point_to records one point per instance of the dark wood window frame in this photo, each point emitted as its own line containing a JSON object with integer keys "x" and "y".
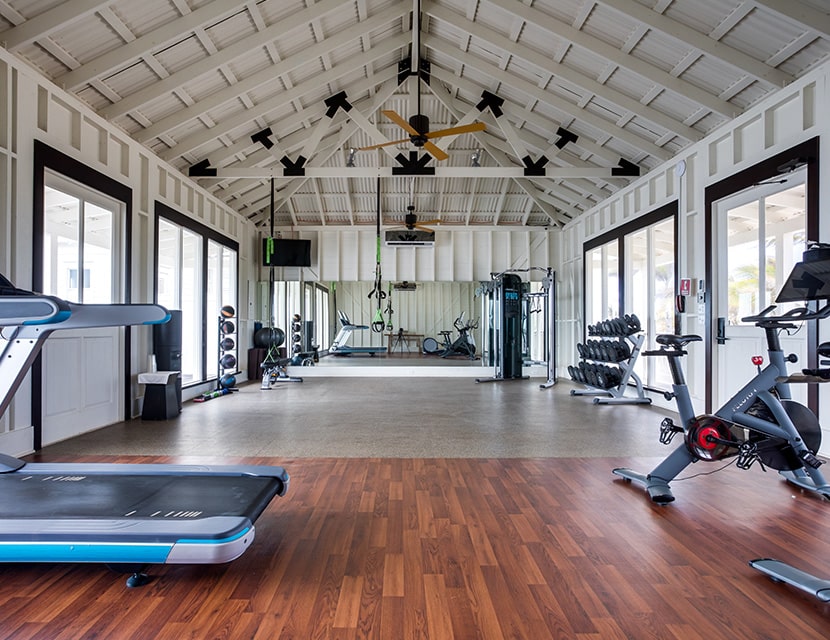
{"x": 49, "y": 158}
{"x": 803, "y": 154}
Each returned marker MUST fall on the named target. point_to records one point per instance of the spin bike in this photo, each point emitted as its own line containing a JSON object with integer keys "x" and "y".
{"x": 463, "y": 345}
{"x": 760, "y": 423}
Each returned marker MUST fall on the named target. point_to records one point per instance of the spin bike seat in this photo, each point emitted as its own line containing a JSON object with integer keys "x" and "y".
{"x": 672, "y": 340}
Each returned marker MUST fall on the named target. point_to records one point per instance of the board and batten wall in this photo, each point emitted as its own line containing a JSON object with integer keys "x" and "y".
{"x": 796, "y": 113}
{"x": 31, "y": 107}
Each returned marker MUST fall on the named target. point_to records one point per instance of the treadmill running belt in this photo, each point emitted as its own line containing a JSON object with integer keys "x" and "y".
{"x": 160, "y": 497}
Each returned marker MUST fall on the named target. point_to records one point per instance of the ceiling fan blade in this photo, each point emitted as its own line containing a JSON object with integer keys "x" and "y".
{"x": 398, "y": 120}
{"x": 423, "y": 228}
{"x": 384, "y": 144}
{"x": 454, "y": 131}
{"x": 435, "y": 152}
{"x": 436, "y": 221}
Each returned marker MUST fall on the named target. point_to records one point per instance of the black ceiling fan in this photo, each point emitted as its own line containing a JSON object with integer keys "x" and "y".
{"x": 410, "y": 219}
{"x": 418, "y": 125}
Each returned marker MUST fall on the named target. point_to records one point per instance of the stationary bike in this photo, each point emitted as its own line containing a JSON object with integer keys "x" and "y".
{"x": 463, "y": 345}
{"x": 760, "y": 423}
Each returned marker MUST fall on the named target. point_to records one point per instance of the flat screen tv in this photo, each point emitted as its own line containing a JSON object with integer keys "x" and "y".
{"x": 279, "y": 252}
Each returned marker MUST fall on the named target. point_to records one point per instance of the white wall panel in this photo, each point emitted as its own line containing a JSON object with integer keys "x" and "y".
{"x": 784, "y": 120}
{"x": 31, "y": 107}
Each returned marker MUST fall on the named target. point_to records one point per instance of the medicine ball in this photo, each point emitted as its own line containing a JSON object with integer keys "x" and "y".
{"x": 228, "y": 361}
{"x": 227, "y": 344}
{"x": 228, "y": 327}
{"x": 269, "y": 337}
{"x": 227, "y": 381}
{"x": 228, "y": 311}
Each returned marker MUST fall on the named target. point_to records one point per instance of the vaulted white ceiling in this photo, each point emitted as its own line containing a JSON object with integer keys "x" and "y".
{"x": 577, "y": 96}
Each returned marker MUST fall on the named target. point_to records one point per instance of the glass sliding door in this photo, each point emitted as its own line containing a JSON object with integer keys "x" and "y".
{"x": 82, "y": 244}
{"x": 650, "y": 292}
{"x": 761, "y": 235}
{"x": 179, "y": 286}
{"x": 631, "y": 271}
{"x": 196, "y": 273}
{"x": 602, "y": 282}
{"x": 221, "y": 291}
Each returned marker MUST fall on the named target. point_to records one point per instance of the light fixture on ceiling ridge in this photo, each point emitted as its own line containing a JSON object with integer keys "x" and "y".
{"x": 350, "y": 159}
{"x": 475, "y": 158}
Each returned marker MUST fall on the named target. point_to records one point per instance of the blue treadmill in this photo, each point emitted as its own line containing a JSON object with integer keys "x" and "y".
{"x": 124, "y": 515}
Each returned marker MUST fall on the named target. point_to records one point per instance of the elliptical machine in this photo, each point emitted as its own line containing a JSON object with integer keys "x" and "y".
{"x": 463, "y": 345}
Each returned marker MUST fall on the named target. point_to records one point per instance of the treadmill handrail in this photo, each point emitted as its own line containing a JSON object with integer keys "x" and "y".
{"x": 60, "y": 314}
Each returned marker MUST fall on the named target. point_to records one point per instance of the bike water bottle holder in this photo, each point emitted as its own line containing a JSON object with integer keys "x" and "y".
{"x": 668, "y": 430}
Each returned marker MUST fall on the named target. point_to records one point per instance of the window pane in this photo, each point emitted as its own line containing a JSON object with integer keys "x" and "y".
{"x": 662, "y": 295}
{"x": 744, "y": 283}
{"x": 97, "y": 253}
{"x": 168, "y": 249}
{"x": 61, "y": 246}
{"x": 594, "y": 286}
{"x": 786, "y": 221}
{"x": 191, "y": 305}
{"x": 612, "y": 278}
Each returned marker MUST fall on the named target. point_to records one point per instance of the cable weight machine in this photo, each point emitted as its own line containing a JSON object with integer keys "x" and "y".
{"x": 508, "y": 306}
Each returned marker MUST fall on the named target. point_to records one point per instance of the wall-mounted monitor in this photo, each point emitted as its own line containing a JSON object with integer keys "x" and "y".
{"x": 280, "y": 252}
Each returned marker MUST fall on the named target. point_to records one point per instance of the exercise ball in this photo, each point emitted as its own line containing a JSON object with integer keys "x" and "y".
{"x": 228, "y": 311}
{"x": 227, "y": 344}
{"x": 228, "y": 327}
{"x": 228, "y": 361}
{"x": 227, "y": 381}
{"x": 297, "y": 360}
{"x": 269, "y": 337}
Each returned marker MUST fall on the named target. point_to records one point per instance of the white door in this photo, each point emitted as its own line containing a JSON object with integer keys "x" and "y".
{"x": 83, "y": 377}
{"x": 760, "y": 236}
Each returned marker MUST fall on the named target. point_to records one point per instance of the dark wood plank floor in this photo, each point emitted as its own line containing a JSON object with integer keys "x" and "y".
{"x": 448, "y": 548}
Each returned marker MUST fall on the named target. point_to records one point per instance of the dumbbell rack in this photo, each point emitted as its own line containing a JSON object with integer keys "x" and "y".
{"x": 619, "y": 354}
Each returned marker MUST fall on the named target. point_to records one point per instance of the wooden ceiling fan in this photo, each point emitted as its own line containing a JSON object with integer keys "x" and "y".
{"x": 420, "y": 135}
{"x": 418, "y": 125}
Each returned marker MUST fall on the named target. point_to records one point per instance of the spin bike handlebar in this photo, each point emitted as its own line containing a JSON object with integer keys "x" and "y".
{"x": 785, "y": 320}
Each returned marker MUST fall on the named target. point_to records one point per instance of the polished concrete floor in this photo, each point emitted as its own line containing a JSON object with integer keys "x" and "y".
{"x": 390, "y": 416}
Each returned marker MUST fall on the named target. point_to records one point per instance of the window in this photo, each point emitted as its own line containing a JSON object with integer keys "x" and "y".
{"x": 641, "y": 256}
{"x": 81, "y": 228}
{"x": 196, "y": 272}
{"x": 602, "y": 282}
{"x": 649, "y": 293}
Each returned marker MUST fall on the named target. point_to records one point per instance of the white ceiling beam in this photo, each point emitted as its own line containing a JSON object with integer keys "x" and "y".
{"x": 453, "y": 106}
{"x": 387, "y": 79}
{"x": 191, "y": 142}
{"x": 278, "y": 172}
{"x": 693, "y": 38}
{"x": 597, "y": 47}
{"x": 252, "y": 82}
{"x": 46, "y": 23}
{"x": 324, "y": 152}
{"x": 520, "y": 113}
{"x": 547, "y": 97}
{"x": 561, "y": 72}
{"x": 173, "y": 31}
{"x": 803, "y": 15}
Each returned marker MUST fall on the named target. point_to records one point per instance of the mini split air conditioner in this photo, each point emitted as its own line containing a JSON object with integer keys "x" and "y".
{"x": 409, "y": 238}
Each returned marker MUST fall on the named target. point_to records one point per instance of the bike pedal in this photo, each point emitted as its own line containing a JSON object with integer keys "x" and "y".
{"x": 810, "y": 460}
{"x": 748, "y": 454}
{"x": 668, "y": 430}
